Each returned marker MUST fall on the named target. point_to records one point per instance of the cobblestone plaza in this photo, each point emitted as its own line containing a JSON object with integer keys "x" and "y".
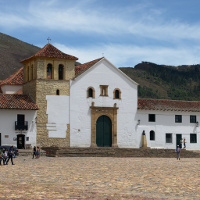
{"x": 100, "y": 178}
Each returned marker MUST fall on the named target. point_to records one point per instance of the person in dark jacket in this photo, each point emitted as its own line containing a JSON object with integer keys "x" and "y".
{"x": 10, "y": 155}
{"x": 178, "y": 151}
{"x": 34, "y": 151}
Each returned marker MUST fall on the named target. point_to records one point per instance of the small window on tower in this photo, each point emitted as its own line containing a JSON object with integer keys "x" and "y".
{"x": 60, "y": 72}
{"x": 27, "y": 73}
{"x": 31, "y": 75}
{"x": 49, "y": 71}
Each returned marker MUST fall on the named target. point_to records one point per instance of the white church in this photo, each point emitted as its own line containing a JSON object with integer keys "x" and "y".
{"x": 52, "y": 102}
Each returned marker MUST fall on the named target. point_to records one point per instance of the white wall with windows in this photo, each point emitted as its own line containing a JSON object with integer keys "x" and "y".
{"x": 7, "y": 127}
{"x": 168, "y": 127}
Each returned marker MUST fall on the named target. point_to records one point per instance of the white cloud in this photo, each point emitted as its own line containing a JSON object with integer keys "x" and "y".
{"x": 132, "y": 25}
{"x": 81, "y": 18}
{"x": 126, "y": 56}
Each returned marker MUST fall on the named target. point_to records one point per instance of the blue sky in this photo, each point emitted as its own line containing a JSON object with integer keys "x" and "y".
{"x": 125, "y": 32}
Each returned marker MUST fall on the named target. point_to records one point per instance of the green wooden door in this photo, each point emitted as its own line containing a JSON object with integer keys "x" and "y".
{"x": 104, "y": 132}
{"x": 178, "y": 139}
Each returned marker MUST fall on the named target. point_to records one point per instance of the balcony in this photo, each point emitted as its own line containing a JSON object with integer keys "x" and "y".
{"x": 21, "y": 125}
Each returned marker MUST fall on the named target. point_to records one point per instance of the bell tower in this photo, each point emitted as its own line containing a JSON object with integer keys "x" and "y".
{"x": 48, "y": 72}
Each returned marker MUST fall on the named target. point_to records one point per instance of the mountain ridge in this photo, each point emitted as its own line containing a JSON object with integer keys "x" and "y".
{"x": 12, "y": 51}
{"x": 155, "y": 81}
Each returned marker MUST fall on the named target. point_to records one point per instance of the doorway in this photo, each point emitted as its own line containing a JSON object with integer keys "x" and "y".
{"x": 104, "y": 132}
{"x": 21, "y": 141}
{"x": 178, "y": 139}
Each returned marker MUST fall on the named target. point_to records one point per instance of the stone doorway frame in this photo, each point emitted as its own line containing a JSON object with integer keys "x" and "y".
{"x": 110, "y": 112}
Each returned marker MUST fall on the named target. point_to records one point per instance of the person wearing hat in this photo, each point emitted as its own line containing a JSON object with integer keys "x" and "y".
{"x": 178, "y": 151}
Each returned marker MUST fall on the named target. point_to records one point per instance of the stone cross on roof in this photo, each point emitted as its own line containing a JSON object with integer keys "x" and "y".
{"x": 49, "y": 39}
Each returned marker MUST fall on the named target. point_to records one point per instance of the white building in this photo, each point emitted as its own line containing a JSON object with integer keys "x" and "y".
{"x": 101, "y": 110}
{"x": 17, "y": 113}
{"x": 165, "y": 122}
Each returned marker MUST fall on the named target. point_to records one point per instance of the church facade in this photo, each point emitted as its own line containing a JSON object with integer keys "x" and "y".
{"x": 94, "y": 104}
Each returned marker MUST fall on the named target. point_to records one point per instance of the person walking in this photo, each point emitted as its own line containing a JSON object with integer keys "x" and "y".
{"x": 10, "y": 155}
{"x": 181, "y": 142}
{"x": 5, "y": 155}
{"x": 38, "y": 152}
{"x": 34, "y": 152}
{"x": 178, "y": 151}
{"x": 1, "y": 155}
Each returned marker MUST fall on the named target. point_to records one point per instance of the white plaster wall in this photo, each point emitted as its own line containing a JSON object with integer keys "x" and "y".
{"x": 7, "y": 126}
{"x": 10, "y": 89}
{"x": 165, "y": 123}
{"x": 58, "y": 115}
{"x": 103, "y": 73}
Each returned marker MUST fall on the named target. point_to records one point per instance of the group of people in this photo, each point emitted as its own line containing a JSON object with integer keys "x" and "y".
{"x": 6, "y": 155}
{"x": 36, "y": 152}
{"x": 179, "y": 147}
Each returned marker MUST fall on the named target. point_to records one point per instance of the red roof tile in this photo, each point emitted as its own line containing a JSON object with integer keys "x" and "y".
{"x": 168, "y": 105}
{"x": 81, "y": 68}
{"x": 17, "y": 101}
{"x": 50, "y": 51}
{"x": 14, "y": 79}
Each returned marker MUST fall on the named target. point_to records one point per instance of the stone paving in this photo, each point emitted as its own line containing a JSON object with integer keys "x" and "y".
{"x": 100, "y": 178}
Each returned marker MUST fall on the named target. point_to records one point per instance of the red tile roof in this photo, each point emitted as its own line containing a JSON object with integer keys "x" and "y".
{"x": 50, "y": 51}
{"x": 17, "y": 101}
{"x": 81, "y": 68}
{"x": 168, "y": 105}
{"x": 14, "y": 79}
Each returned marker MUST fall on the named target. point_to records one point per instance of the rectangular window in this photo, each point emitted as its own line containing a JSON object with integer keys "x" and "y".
{"x": 21, "y": 124}
{"x": 27, "y": 139}
{"x": 152, "y": 117}
{"x": 20, "y": 119}
{"x": 104, "y": 90}
{"x": 178, "y": 118}
{"x": 193, "y": 138}
{"x": 193, "y": 119}
{"x": 168, "y": 138}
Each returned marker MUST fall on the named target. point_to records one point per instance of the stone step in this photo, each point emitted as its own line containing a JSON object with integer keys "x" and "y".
{"x": 117, "y": 152}
{"x": 29, "y": 152}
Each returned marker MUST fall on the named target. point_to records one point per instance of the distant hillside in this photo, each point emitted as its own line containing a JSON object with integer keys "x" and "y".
{"x": 155, "y": 81}
{"x": 12, "y": 51}
{"x": 166, "y": 82}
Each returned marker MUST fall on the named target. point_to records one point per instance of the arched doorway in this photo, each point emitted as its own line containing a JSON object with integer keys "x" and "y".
{"x": 104, "y": 131}
{"x": 21, "y": 141}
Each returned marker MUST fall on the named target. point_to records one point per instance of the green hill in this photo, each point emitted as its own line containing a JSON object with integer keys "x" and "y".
{"x": 166, "y": 82}
{"x": 12, "y": 51}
